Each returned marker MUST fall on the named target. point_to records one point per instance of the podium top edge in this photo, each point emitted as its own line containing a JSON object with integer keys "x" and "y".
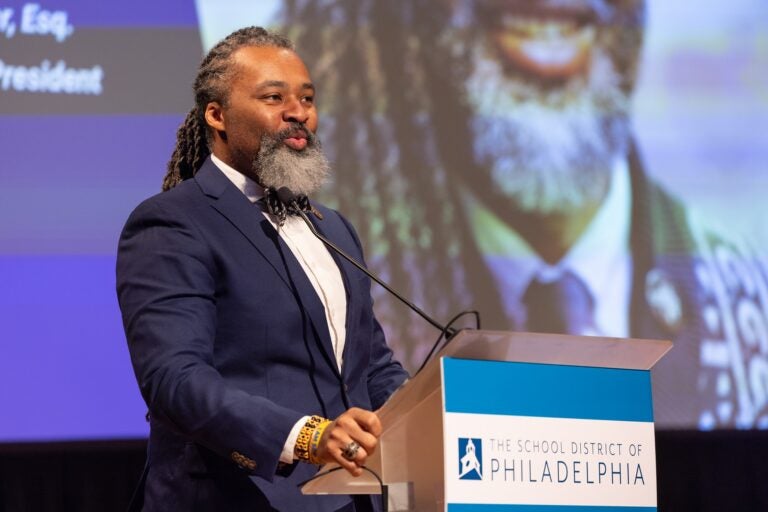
{"x": 562, "y": 349}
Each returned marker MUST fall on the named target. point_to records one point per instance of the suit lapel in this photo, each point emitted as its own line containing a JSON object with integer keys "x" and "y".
{"x": 352, "y": 286}
{"x": 310, "y": 302}
{"x": 226, "y": 199}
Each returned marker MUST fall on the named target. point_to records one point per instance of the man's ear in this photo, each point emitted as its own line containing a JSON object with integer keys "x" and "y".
{"x": 214, "y": 116}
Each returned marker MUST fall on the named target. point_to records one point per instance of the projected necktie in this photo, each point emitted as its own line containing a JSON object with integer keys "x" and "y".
{"x": 560, "y": 306}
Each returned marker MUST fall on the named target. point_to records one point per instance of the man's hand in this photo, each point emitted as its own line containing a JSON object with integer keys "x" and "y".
{"x": 356, "y": 425}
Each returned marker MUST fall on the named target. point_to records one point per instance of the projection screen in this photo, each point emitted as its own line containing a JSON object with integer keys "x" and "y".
{"x": 463, "y": 134}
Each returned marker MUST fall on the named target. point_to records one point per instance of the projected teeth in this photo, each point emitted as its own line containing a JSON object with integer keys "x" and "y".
{"x": 533, "y": 27}
{"x": 552, "y": 48}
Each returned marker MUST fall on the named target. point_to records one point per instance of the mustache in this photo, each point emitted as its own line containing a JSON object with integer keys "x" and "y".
{"x": 294, "y": 129}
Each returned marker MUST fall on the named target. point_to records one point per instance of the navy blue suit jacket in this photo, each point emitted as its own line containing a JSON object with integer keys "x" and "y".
{"x": 230, "y": 347}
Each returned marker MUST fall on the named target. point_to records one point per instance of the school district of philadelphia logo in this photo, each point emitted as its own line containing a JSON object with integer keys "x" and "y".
{"x": 470, "y": 458}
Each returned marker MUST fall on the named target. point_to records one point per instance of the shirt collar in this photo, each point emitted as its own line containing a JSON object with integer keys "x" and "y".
{"x": 252, "y": 190}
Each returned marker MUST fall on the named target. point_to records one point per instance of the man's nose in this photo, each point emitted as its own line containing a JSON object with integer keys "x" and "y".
{"x": 295, "y": 111}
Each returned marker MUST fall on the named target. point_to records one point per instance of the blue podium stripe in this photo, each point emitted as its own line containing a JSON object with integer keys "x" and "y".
{"x": 462, "y": 507}
{"x": 553, "y": 391}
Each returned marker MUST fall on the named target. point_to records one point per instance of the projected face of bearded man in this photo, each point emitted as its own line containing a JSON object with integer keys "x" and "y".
{"x": 266, "y": 128}
{"x": 549, "y": 100}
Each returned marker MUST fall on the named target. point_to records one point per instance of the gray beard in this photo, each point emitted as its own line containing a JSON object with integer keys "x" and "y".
{"x": 549, "y": 151}
{"x": 302, "y": 172}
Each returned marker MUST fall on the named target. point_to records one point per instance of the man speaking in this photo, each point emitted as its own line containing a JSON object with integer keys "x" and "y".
{"x": 255, "y": 348}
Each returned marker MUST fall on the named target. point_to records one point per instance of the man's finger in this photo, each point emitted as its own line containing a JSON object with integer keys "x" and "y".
{"x": 353, "y": 464}
{"x": 367, "y": 420}
{"x": 363, "y": 438}
{"x": 354, "y": 452}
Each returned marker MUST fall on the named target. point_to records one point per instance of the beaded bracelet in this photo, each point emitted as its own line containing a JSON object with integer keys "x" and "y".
{"x": 301, "y": 449}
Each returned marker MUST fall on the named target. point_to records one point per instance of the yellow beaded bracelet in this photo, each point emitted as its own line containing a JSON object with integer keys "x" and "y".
{"x": 301, "y": 449}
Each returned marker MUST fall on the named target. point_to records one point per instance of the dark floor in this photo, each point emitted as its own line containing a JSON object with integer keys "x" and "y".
{"x": 697, "y": 471}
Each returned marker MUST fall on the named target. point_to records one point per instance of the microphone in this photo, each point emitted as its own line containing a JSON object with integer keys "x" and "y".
{"x": 286, "y": 196}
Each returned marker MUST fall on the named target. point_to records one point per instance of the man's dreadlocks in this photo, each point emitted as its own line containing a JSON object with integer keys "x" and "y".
{"x": 194, "y": 137}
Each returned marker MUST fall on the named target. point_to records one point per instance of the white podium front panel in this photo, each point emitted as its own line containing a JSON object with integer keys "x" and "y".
{"x": 531, "y": 437}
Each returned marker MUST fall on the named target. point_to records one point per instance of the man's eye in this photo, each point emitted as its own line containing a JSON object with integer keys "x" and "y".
{"x": 272, "y": 97}
{"x": 308, "y": 99}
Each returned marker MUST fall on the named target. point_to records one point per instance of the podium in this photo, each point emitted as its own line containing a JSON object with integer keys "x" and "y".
{"x": 503, "y": 421}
